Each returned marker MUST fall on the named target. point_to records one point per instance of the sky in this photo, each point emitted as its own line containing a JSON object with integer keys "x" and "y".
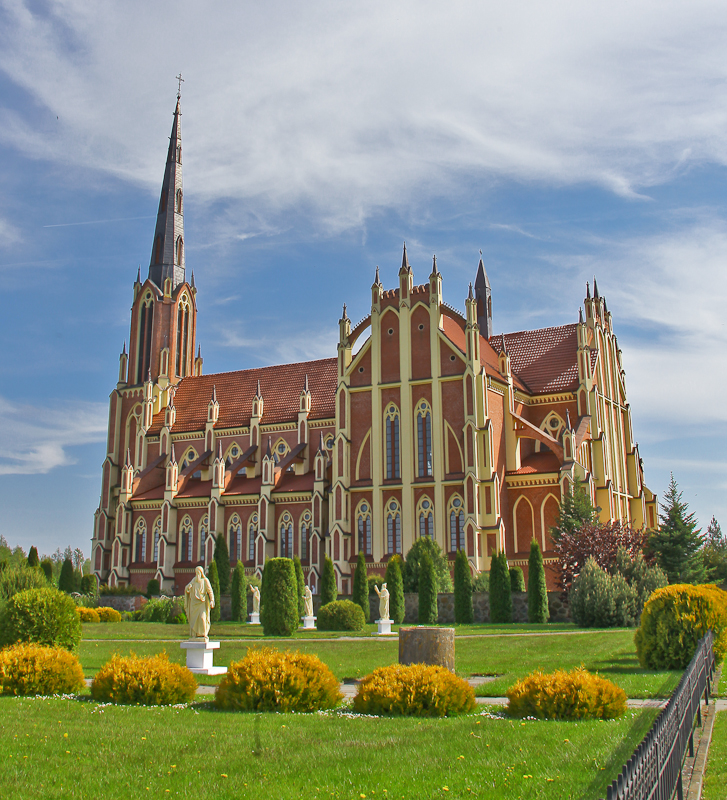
{"x": 563, "y": 139}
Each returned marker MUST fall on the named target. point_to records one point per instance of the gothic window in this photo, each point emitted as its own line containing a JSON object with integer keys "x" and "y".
{"x": 235, "y": 539}
{"x": 552, "y": 425}
{"x": 393, "y": 527}
{"x": 286, "y": 536}
{"x": 456, "y": 524}
{"x": 157, "y": 534}
{"x": 179, "y": 251}
{"x": 204, "y": 527}
{"x": 182, "y": 336}
{"x": 189, "y": 457}
{"x": 424, "y": 439}
{"x": 251, "y": 536}
{"x": 391, "y": 417}
{"x": 179, "y": 201}
{"x": 281, "y": 449}
{"x": 305, "y": 522}
{"x": 426, "y": 519}
{"x": 140, "y": 540}
{"x": 185, "y": 538}
{"x": 143, "y": 357}
{"x": 363, "y": 524}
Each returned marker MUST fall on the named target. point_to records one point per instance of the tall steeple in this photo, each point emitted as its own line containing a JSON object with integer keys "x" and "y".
{"x": 167, "y": 253}
{"x": 483, "y": 295}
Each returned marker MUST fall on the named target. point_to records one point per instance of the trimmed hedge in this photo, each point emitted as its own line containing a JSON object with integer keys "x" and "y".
{"x": 149, "y": 681}
{"x": 214, "y": 579}
{"x": 329, "y": 592}
{"x": 44, "y": 616}
{"x": 300, "y": 585}
{"x": 538, "y": 609}
{"x": 239, "y": 593}
{"x": 395, "y": 586}
{"x": 222, "y": 559}
{"x": 278, "y": 601}
{"x": 33, "y": 669}
{"x": 500, "y": 592}
{"x": 517, "y": 580}
{"x": 463, "y": 610}
{"x": 341, "y": 615}
{"x": 361, "y": 587}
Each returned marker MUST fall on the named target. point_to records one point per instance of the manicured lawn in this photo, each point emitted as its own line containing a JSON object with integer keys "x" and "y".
{"x": 716, "y": 775}
{"x": 76, "y": 749}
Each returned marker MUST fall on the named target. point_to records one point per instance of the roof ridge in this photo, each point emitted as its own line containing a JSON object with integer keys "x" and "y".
{"x": 332, "y": 359}
{"x": 572, "y": 325}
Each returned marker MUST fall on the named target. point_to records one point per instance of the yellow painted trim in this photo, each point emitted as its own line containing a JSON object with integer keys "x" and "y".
{"x": 360, "y": 452}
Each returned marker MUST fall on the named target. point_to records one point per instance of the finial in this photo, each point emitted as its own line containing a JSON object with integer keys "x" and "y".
{"x": 435, "y": 271}
{"x": 199, "y": 351}
{"x": 320, "y": 443}
{"x": 404, "y": 259}
{"x": 214, "y": 393}
{"x": 259, "y": 393}
{"x": 172, "y": 457}
{"x": 268, "y": 452}
{"x": 377, "y": 282}
{"x": 138, "y": 274}
{"x": 344, "y": 312}
{"x": 595, "y": 289}
{"x": 180, "y": 81}
{"x": 470, "y": 296}
{"x": 305, "y": 385}
{"x": 123, "y": 352}
{"x": 588, "y": 291}
{"x": 580, "y": 316}
{"x": 192, "y": 283}
{"x": 219, "y": 450}
{"x": 148, "y": 375}
{"x": 567, "y": 420}
{"x": 127, "y": 463}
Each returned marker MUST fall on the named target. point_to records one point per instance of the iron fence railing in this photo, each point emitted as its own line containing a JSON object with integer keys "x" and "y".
{"x": 654, "y": 771}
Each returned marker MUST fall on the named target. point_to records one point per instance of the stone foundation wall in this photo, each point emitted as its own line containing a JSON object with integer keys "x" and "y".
{"x": 122, "y": 602}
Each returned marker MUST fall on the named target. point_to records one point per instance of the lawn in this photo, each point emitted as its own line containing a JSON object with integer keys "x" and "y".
{"x": 716, "y": 775}
{"x": 77, "y": 749}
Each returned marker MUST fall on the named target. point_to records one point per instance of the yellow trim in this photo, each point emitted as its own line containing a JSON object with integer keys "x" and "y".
{"x": 360, "y": 452}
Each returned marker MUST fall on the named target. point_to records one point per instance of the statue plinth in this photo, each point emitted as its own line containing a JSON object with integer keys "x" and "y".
{"x": 200, "y": 657}
{"x": 254, "y": 618}
{"x": 384, "y": 627}
{"x": 309, "y": 623}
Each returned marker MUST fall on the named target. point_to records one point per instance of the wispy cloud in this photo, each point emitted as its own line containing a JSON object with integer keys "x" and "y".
{"x": 95, "y": 222}
{"x": 284, "y": 349}
{"x": 9, "y": 234}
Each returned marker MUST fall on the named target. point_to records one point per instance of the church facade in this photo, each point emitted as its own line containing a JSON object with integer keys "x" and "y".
{"x": 425, "y": 423}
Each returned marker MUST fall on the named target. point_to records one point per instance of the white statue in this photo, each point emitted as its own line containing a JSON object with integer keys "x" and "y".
{"x": 199, "y": 600}
{"x": 383, "y": 601}
{"x": 308, "y": 600}
{"x": 255, "y": 599}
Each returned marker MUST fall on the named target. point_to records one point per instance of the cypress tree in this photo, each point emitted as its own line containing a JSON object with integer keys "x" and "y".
{"x": 500, "y": 595}
{"x": 66, "y": 581}
{"x": 152, "y": 588}
{"x": 300, "y": 583}
{"x": 214, "y": 579}
{"x": 278, "y": 604}
{"x": 463, "y": 611}
{"x": 239, "y": 593}
{"x": 33, "y": 560}
{"x": 538, "y": 610}
{"x": 517, "y": 580}
{"x": 361, "y": 587}
{"x": 395, "y": 585}
{"x": 222, "y": 559}
{"x": 47, "y": 566}
{"x": 428, "y": 613}
{"x": 88, "y": 585}
{"x": 328, "y": 583}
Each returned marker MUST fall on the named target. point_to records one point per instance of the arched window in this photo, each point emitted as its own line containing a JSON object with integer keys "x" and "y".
{"x": 185, "y": 537}
{"x": 182, "y": 336}
{"x": 426, "y": 519}
{"x": 393, "y": 526}
{"x": 363, "y": 524}
{"x": 424, "y": 439}
{"x": 179, "y": 201}
{"x": 305, "y": 522}
{"x": 552, "y": 425}
{"x": 391, "y": 417}
{"x": 281, "y": 449}
{"x": 235, "y": 539}
{"x": 456, "y": 524}
{"x": 143, "y": 339}
{"x": 251, "y": 536}
{"x": 157, "y": 530}
{"x": 204, "y": 527}
{"x": 188, "y": 458}
{"x": 179, "y": 251}
{"x": 140, "y": 540}
{"x": 286, "y": 536}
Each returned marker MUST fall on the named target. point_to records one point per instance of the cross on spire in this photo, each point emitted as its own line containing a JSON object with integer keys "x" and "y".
{"x": 180, "y": 81}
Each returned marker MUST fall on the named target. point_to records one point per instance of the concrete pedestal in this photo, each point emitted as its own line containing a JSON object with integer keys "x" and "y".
{"x": 384, "y": 627}
{"x": 254, "y": 618}
{"x": 309, "y": 623}
{"x": 423, "y": 645}
{"x": 200, "y": 656}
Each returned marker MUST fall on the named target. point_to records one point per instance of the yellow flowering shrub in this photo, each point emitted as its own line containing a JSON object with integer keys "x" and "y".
{"x": 146, "y": 681}
{"x": 273, "y": 680}
{"x": 34, "y": 669}
{"x": 566, "y": 695}
{"x": 108, "y": 614}
{"x": 419, "y": 690}
{"x": 88, "y": 614}
{"x": 673, "y": 621}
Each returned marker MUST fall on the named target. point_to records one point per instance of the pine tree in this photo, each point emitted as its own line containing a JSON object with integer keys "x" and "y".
{"x": 395, "y": 586}
{"x": 329, "y": 592}
{"x": 33, "y": 560}
{"x": 222, "y": 559}
{"x": 714, "y": 553}
{"x": 575, "y": 511}
{"x": 361, "y": 586}
{"x": 428, "y": 612}
{"x": 66, "y": 581}
{"x": 214, "y": 579}
{"x": 463, "y": 611}
{"x": 538, "y": 610}
{"x": 47, "y": 566}
{"x": 500, "y": 593}
{"x": 239, "y": 593}
{"x": 300, "y": 583}
{"x": 678, "y": 541}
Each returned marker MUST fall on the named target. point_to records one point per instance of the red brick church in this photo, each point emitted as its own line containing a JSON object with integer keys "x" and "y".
{"x": 424, "y": 423}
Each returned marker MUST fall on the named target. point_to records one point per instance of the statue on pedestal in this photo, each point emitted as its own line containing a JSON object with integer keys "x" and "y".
{"x": 308, "y": 600}
{"x": 199, "y": 600}
{"x": 383, "y": 594}
{"x": 255, "y": 599}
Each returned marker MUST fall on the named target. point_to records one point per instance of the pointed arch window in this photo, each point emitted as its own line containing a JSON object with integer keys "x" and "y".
{"x": 143, "y": 338}
{"x": 235, "y": 539}
{"x": 456, "y": 524}
{"x": 363, "y": 525}
{"x": 391, "y": 419}
{"x": 182, "y": 336}
{"x": 157, "y": 532}
{"x": 424, "y": 439}
{"x": 179, "y": 201}
{"x": 185, "y": 540}
{"x": 286, "y": 536}
{"x": 426, "y": 519}
{"x": 305, "y": 524}
{"x": 179, "y": 251}
{"x": 393, "y": 526}
{"x": 251, "y": 536}
{"x": 204, "y": 527}
{"x": 553, "y": 425}
{"x": 140, "y": 541}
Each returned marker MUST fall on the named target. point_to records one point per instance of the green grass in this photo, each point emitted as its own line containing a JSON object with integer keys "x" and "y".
{"x": 715, "y": 775}
{"x": 76, "y": 749}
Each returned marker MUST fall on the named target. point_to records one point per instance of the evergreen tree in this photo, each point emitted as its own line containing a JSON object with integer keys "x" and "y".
{"x": 152, "y": 588}
{"x": 538, "y": 610}
{"x": 47, "y": 566}
{"x": 222, "y": 559}
{"x": 278, "y": 605}
{"x": 33, "y": 560}
{"x": 410, "y": 570}
{"x": 395, "y": 586}
{"x": 463, "y": 611}
{"x": 300, "y": 583}
{"x": 575, "y": 511}
{"x": 714, "y": 553}
{"x": 214, "y": 579}
{"x": 428, "y": 612}
{"x": 329, "y": 592}
{"x": 89, "y": 585}
{"x": 361, "y": 587}
{"x": 66, "y": 582}
{"x": 517, "y": 580}
{"x": 239, "y": 593}
{"x": 500, "y": 593}
{"x": 678, "y": 541}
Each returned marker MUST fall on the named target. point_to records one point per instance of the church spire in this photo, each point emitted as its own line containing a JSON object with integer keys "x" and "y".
{"x": 167, "y": 254}
{"x": 483, "y": 295}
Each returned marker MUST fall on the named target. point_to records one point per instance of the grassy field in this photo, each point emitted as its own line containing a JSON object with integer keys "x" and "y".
{"x": 76, "y": 749}
{"x": 716, "y": 775}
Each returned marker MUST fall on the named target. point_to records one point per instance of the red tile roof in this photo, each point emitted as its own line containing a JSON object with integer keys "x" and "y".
{"x": 538, "y": 462}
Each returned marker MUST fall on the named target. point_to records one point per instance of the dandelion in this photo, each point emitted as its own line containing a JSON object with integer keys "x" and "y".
{"x": 224, "y": 775}
{"x": 460, "y": 758}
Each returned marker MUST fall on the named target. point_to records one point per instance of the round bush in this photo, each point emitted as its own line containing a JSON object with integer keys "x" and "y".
{"x": 341, "y": 615}
{"x": 278, "y": 598}
{"x": 45, "y": 616}
{"x": 271, "y": 680}
{"x": 88, "y": 614}
{"x": 566, "y": 695}
{"x": 419, "y": 690}
{"x": 149, "y": 681}
{"x": 108, "y": 614}
{"x": 33, "y": 669}
{"x": 673, "y": 621}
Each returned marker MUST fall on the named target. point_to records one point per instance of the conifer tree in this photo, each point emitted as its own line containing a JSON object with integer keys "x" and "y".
{"x": 214, "y": 579}
{"x": 152, "y": 588}
{"x": 222, "y": 559}
{"x": 329, "y": 592}
{"x": 575, "y": 511}
{"x": 361, "y": 587}
{"x": 500, "y": 593}
{"x": 278, "y": 605}
{"x": 300, "y": 584}
{"x": 47, "y": 566}
{"x": 33, "y": 560}
{"x": 239, "y": 593}
{"x": 395, "y": 586}
{"x": 517, "y": 580}
{"x": 714, "y": 553}
{"x": 538, "y": 610}
{"x": 463, "y": 611}
{"x": 66, "y": 581}
{"x": 428, "y": 612}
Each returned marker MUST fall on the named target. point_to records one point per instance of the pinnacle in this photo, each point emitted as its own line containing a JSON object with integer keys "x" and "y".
{"x": 258, "y": 393}
{"x": 305, "y": 385}
{"x": 595, "y": 289}
{"x": 214, "y": 394}
{"x": 588, "y": 291}
{"x": 470, "y": 296}
{"x": 580, "y": 315}
{"x": 377, "y": 281}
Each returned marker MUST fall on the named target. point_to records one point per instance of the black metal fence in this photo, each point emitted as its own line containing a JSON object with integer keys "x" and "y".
{"x": 654, "y": 771}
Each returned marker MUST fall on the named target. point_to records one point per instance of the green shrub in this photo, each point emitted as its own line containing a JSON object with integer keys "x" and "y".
{"x": 18, "y": 578}
{"x": 600, "y": 600}
{"x": 341, "y": 615}
{"x": 47, "y": 566}
{"x": 149, "y": 681}
{"x": 395, "y": 585}
{"x": 32, "y": 669}
{"x": 329, "y": 592}
{"x": 517, "y": 580}
{"x": 33, "y": 560}
{"x": 108, "y": 614}
{"x": 44, "y": 616}
{"x": 214, "y": 579}
{"x": 361, "y": 587}
{"x": 239, "y": 593}
{"x": 375, "y": 580}
{"x": 673, "y": 621}
{"x": 162, "y": 609}
{"x": 271, "y": 680}
{"x": 178, "y": 619}
{"x": 481, "y": 582}
{"x": 67, "y": 579}
{"x": 88, "y": 585}
{"x": 566, "y": 695}
{"x": 222, "y": 559}
{"x": 410, "y": 570}
{"x": 88, "y": 614}
{"x": 153, "y": 589}
{"x": 299, "y": 585}
{"x": 463, "y": 611}
{"x": 538, "y": 610}
{"x": 500, "y": 592}
{"x": 418, "y": 690}
{"x": 645, "y": 578}
{"x": 428, "y": 611}
{"x": 278, "y": 601}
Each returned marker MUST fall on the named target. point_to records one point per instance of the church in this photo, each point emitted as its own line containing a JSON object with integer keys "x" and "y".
{"x": 424, "y": 423}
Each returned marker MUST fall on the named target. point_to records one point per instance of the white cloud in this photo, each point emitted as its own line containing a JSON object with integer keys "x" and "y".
{"x": 9, "y": 234}
{"x": 284, "y": 349}
{"x": 34, "y": 440}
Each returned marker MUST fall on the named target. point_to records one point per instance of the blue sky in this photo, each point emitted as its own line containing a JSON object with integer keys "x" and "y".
{"x": 563, "y": 139}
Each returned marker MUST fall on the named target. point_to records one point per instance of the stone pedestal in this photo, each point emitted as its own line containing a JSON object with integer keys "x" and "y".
{"x": 254, "y": 618}
{"x": 200, "y": 656}
{"x": 424, "y": 645}
{"x": 309, "y": 623}
{"x": 384, "y": 627}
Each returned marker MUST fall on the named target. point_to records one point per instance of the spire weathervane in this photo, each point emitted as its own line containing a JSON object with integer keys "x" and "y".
{"x": 180, "y": 81}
